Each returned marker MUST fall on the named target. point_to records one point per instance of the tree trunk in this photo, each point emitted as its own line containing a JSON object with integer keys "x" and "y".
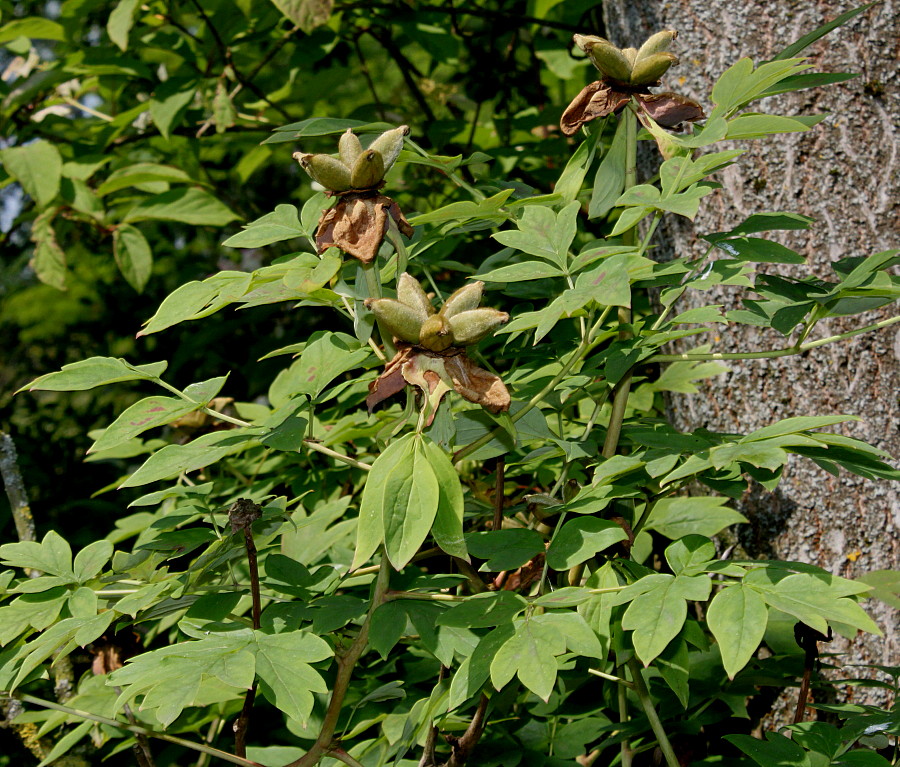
{"x": 844, "y": 173}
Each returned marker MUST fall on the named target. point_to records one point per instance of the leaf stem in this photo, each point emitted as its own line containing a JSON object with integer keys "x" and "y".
{"x": 346, "y": 663}
{"x": 138, "y": 729}
{"x": 611, "y": 678}
{"x": 320, "y": 448}
{"x": 785, "y": 352}
{"x": 643, "y": 694}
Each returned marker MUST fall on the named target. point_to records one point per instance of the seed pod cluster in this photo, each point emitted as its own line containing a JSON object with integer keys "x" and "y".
{"x": 355, "y": 169}
{"x": 631, "y": 66}
{"x": 460, "y": 322}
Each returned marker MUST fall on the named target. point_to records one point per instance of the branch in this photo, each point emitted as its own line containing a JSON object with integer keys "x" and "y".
{"x": 15, "y": 489}
{"x": 463, "y": 747}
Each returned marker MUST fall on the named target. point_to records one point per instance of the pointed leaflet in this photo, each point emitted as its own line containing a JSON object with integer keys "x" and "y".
{"x": 737, "y": 617}
{"x": 448, "y": 521}
{"x": 410, "y": 503}
{"x": 569, "y": 184}
{"x": 141, "y": 416}
{"x": 95, "y": 371}
{"x": 37, "y": 167}
{"x": 52, "y": 555}
{"x": 530, "y": 654}
{"x": 286, "y": 678}
{"x": 579, "y": 539}
{"x": 610, "y": 179}
{"x": 133, "y": 255}
{"x": 370, "y": 527}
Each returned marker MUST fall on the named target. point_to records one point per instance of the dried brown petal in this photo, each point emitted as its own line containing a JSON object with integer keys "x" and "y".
{"x": 670, "y": 109}
{"x": 477, "y": 385}
{"x": 595, "y": 100}
{"x": 357, "y": 225}
{"x": 391, "y": 381}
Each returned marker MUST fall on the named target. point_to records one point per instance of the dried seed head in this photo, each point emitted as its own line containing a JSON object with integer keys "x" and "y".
{"x": 466, "y": 298}
{"x": 649, "y": 69}
{"x": 389, "y": 144}
{"x": 410, "y": 293}
{"x": 326, "y": 170}
{"x": 368, "y": 170}
{"x": 398, "y": 319}
{"x": 657, "y": 43}
{"x": 435, "y": 334}
{"x": 630, "y": 55}
{"x": 349, "y": 148}
{"x": 471, "y": 326}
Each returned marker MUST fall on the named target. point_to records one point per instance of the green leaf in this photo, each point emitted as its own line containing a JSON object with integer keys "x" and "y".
{"x": 186, "y": 205}
{"x": 777, "y": 751}
{"x": 282, "y": 224}
{"x": 610, "y": 179}
{"x": 579, "y": 539}
{"x": 146, "y": 176}
{"x": 207, "y": 449}
{"x": 461, "y": 212}
{"x": 543, "y": 233}
{"x": 758, "y": 250}
{"x": 448, "y": 521}
{"x": 505, "y": 549}
{"x": 52, "y": 555}
{"x": 700, "y": 515}
{"x": 531, "y": 655}
{"x": 808, "y": 39}
{"x": 579, "y": 637}
{"x": 33, "y": 27}
{"x": 409, "y": 505}
{"x": 194, "y": 300}
{"x": 690, "y": 555}
{"x": 370, "y": 528}
{"x": 307, "y": 14}
{"x": 169, "y": 102}
{"x": 885, "y": 586}
{"x": 91, "y": 559}
{"x": 146, "y": 414}
{"x": 808, "y": 80}
{"x": 48, "y": 259}
{"x": 758, "y": 125}
{"x": 569, "y": 184}
{"x": 737, "y": 617}
{"x": 37, "y": 167}
{"x": 329, "y": 126}
{"x": 674, "y": 665}
{"x": 484, "y": 610}
{"x": 120, "y": 22}
{"x": 286, "y": 678}
{"x": 521, "y": 272}
{"x": 133, "y": 255}
{"x": 795, "y": 425}
{"x": 95, "y": 371}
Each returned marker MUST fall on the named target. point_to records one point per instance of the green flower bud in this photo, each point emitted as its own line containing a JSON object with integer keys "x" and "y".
{"x": 471, "y": 326}
{"x": 466, "y": 298}
{"x": 389, "y": 144}
{"x": 410, "y": 293}
{"x": 435, "y": 334}
{"x": 399, "y": 319}
{"x": 349, "y": 148}
{"x": 648, "y": 70}
{"x": 326, "y": 170}
{"x": 368, "y": 170}
{"x": 657, "y": 43}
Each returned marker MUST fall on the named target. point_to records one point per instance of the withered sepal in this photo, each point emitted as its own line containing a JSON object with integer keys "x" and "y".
{"x": 357, "y": 224}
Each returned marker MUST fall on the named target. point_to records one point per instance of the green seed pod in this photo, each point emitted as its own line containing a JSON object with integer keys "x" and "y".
{"x": 368, "y": 170}
{"x": 389, "y": 144}
{"x": 435, "y": 334}
{"x": 466, "y": 298}
{"x": 399, "y": 319}
{"x": 326, "y": 170}
{"x": 630, "y": 55}
{"x": 471, "y": 326}
{"x": 657, "y": 43}
{"x": 586, "y": 41}
{"x": 609, "y": 60}
{"x": 349, "y": 148}
{"x": 650, "y": 69}
{"x": 410, "y": 293}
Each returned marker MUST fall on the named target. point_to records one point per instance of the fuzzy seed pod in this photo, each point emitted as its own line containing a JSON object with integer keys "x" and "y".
{"x": 657, "y": 43}
{"x": 349, "y": 148}
{"x": 368, "y": 170}
{"x": 389, "y": 144}
{"x": 609, "y": 60}
{"x": 471, "y": 326}
{"x": 586, "y": 41}
{"x": 399, "y": 319}
{"x": 630, "y": 55}
{"x": 410, "y": 293}
{"x": 648, "y": 70}
{"x": 435, "y": 334}
{"x": 466, "y": 298}
{"x": 326, "y": 170}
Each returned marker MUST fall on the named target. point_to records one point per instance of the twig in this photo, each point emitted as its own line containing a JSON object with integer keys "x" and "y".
{"x": 463, "y": 747}
{"x": 15, "y": 489}
{"x": 224, "y": 755}
{"x": 497, "y": 522}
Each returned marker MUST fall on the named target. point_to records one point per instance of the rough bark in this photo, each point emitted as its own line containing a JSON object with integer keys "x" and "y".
{"x": 846, "y": 174}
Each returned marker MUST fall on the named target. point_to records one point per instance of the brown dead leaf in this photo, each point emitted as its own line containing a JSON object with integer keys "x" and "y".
{"x": 477, "y": 385}
{"x": 670, "y": 109}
